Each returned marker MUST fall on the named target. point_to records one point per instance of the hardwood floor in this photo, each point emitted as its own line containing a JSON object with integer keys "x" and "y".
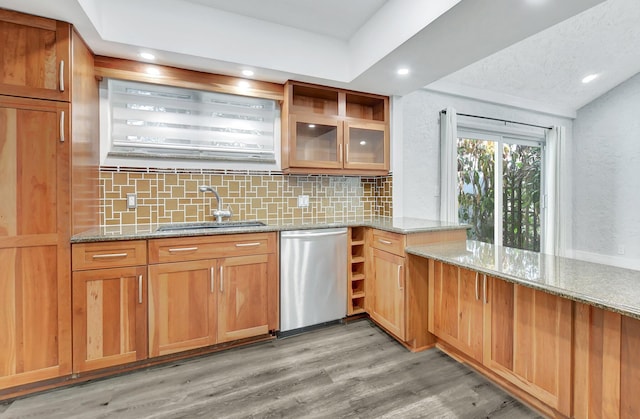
{"x": 341, "y": 371}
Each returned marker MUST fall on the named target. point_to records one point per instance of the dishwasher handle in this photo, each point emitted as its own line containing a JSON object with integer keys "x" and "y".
{"x": 288, "y": 235}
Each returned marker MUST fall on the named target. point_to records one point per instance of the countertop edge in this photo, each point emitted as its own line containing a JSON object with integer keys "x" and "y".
{"x": 94, "y": 238}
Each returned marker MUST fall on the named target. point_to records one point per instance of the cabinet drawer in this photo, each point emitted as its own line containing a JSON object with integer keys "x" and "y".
{"x": 108, "y": 254}
{"x": 389, "y": 242}
{"x": 210, "y": 247}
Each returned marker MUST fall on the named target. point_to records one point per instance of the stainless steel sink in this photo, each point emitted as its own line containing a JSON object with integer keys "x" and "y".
{"x": 209, "y": 225}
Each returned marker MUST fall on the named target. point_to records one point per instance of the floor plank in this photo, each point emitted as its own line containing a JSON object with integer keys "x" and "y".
{"x": 342, "y": 371}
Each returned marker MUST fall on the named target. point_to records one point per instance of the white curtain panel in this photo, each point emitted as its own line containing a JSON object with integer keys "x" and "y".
{"x": 449, "y": 166}
{"x": 555, "y": 161}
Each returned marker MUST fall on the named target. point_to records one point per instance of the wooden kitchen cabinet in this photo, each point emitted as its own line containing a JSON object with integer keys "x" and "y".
{"x": 109, "y": 287}
{"x": 397, "y": 285}
{"x": 316, "y": 142}
{"x": 208, "y": 290}
{"x": 366, "y": 145}
{"x": 520, "y": 334}
{"x": 456, "y": 307}
{"x": 35, "y": 56}
{"x": 182, "y": 306}
{"x": 388, "y": 288}
{"x": 528, "y": 341}
{"x": 109, "y": 317}
{"x": 607, "y": 364}
{"x": 38, "y": 150}
{"x": 244, "y": 296}
{"x": 333, "y": 131}
{"x": 35, "y": 297}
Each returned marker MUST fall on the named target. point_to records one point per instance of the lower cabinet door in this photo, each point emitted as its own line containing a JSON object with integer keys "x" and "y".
{"x": 528, "y": 341}
{"x": 182, "y": 306}
{"x": 457, "y": 308}
{"x": 109, "y": 317}
{"x": 607, "y": 364}
{"x": 243, "y": 299}
{"x": 389, "y": 296}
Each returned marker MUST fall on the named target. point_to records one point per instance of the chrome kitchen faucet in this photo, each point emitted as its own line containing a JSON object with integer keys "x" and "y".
{"x": 219, "y": 213}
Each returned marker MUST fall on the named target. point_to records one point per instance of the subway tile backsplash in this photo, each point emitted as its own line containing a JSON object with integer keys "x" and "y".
{"x": 171, "y": 197}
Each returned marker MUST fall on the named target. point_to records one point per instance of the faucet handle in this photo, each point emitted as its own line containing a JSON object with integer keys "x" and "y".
{"x": 230, "y": 211}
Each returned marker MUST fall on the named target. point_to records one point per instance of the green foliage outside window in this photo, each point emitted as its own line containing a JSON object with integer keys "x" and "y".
{"x": 521, "y": 166}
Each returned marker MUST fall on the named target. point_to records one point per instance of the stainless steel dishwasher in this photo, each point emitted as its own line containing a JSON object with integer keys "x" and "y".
{"x": 313, "y": 278}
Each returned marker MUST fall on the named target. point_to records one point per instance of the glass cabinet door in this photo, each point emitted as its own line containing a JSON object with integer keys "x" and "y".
{"x": 366, "y": 146}
{"x": 316, "y": 142}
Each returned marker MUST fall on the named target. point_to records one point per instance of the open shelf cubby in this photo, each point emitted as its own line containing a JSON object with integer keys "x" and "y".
{"x": 357, "y": 271}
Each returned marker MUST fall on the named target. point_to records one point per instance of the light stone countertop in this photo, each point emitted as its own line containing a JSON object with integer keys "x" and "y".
{"x": 149, "y": 231}
{"x": 604, "y": 286}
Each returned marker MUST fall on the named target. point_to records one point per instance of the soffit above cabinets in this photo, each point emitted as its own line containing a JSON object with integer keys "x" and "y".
{"x": 433, "y": 38}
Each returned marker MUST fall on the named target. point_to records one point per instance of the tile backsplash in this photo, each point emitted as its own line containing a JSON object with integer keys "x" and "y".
{"x": 170, "y": 197}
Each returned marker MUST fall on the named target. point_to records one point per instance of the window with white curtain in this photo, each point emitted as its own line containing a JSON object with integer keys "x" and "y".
{"x": 500, "y": 187}
{"x": 149, "y": 120}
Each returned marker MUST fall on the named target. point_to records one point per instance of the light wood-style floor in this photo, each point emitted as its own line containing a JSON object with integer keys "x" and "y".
{"x": 341, "y": 371}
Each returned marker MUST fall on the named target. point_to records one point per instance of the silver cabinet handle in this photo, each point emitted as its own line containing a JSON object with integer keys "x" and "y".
{"x": 221, "y": 279}
{"x": 346, "y": 147}
{"x": 399, "y": 268}
{"x": 183, "y": 249}
{"x": 139, "y": 289}
{"x": 62, "y": 126}
{"x": 62, "y": 75}
{"x": 212, "y": 274}
{"x": 477, "y": 296}
{"x": 247, "y": 244}
{"x": 484, "y": 289}
{"x": 110, "y": 255}
{"x": 384, "y": 241}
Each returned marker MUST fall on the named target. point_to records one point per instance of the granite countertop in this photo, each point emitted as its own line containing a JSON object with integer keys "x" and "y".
{"x": 150, "y": 231}
{"x": 604, "y": 286}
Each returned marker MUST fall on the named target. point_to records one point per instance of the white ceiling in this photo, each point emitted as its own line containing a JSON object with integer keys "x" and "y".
{"x": 548, "y": 67}
{"x": 359, "y": 44}
{"x": 334, "y": 18}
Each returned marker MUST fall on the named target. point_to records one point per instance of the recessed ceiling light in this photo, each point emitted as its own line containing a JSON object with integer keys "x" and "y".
{"x": 147, "y": 56}
{"x": 247, "y": 73}
{"x": 153, "y": 71}
{"x": 589, "y": 78}
{"x": 311, "y": 125}
{"x": 403, "y": 71}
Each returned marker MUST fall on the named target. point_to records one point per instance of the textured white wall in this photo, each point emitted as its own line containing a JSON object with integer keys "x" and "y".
{"x": 606, "y": 162}
{"x": 419, "y": 172}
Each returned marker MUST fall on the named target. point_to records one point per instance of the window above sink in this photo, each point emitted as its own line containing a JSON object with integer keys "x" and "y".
{"x": 148, "y": 120}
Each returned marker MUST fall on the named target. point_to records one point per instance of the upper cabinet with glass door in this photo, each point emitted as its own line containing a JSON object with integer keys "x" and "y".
{"x": 333, "y": 131}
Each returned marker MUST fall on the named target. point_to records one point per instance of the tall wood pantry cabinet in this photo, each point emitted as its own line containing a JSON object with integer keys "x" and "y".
{"x": 36, "y": 136}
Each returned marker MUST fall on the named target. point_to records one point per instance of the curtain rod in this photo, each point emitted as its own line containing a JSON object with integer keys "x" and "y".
{"x": 444, "y": 111}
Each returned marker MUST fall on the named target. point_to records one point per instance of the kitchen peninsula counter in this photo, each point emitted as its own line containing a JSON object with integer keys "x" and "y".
{"x": 402, "y": 225}
{"x": 604, "y": 286}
